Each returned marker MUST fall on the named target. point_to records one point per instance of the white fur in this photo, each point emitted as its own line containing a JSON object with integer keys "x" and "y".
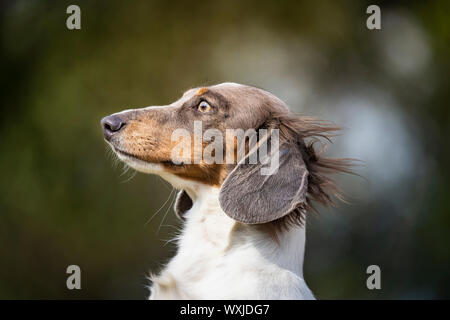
{"x": 219, "y": 258}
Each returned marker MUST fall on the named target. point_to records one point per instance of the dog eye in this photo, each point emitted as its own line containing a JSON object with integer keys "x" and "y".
{"x": 204, "y": 107}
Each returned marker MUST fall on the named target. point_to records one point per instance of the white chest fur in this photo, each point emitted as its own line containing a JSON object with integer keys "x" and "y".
{"x": 219, "y": 258}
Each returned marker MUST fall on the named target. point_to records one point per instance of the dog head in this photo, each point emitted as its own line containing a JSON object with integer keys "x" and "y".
{"x": 198, "y": 140}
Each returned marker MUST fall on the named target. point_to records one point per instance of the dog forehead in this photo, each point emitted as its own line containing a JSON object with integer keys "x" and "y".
{"x": 229, "y": 85}
{"x": 236, "y": 89}
{"x": 241, "y": 95}
{"x": 229, "y": 88}
{"x": 221, "y": 87}
{"x": 234, "y": 93}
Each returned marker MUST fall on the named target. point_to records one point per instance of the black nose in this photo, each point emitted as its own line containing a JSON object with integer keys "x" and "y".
{"x": 111, "y": 125}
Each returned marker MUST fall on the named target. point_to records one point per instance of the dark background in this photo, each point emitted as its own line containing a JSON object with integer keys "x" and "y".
{"x": 63, "y": 200}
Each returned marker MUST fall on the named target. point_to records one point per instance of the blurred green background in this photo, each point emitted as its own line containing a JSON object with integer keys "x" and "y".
{"x": 63, "y": 200}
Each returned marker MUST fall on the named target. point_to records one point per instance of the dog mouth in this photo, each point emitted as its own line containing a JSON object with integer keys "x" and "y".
{"x": 129, "y": 156}
{"x": 125, "y": 153}
{"x": 133, "y": 161}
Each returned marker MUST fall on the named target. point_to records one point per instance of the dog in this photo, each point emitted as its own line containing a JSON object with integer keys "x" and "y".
{"x": 243, "y": 231}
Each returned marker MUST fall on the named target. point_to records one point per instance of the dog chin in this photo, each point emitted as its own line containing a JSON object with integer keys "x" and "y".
{"x": 140, "y": 165}
{"x": 153, "y": 168}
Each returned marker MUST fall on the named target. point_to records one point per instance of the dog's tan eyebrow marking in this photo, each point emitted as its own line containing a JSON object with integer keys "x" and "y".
{"x": 201, "y": 91}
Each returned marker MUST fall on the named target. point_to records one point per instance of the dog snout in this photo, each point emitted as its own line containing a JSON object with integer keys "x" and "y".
{"x": 111, "y": 125}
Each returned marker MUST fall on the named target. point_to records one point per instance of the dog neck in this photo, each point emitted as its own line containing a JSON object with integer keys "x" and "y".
{"x": 220, "y": 258}
{"x": 208, "y": 225}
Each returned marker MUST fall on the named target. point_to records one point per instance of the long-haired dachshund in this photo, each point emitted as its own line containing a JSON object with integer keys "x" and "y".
{"x": 244, "y": 231}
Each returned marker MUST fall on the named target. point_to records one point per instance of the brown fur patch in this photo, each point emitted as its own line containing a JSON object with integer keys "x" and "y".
{"x": 212, "y": 175}
{"x": 201, "y": 91}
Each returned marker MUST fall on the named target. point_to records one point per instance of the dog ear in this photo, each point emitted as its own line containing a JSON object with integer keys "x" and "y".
{"x": 182, "y": 204}
{"x": 249, "y": 197}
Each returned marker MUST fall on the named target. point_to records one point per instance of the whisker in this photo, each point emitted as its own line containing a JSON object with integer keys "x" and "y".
{"x": 151, "y": 218}
{"x": 164, "y": 217}
{"x": 112, "y": 156}
{"x": 166, "y": 184}
{"x": 133, "y": 174}
{"x": 125, "y": 169}
{"x": 168, "y": 241}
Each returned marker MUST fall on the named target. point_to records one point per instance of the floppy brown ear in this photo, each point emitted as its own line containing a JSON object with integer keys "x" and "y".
{"x": 182, "y": 204}
{"x": 249, "y": 197}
